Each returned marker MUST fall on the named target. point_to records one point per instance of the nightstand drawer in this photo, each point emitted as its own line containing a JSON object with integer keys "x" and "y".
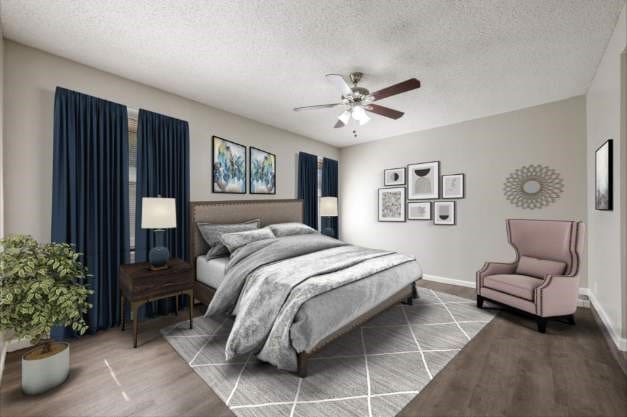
{"x": 154, "y": 286}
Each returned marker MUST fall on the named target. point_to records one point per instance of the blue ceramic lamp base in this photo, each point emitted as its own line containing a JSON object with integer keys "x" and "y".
{"x": 158, "y": 258}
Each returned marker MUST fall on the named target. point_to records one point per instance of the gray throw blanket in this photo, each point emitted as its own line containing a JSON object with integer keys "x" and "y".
{"x": 269, "y": 280}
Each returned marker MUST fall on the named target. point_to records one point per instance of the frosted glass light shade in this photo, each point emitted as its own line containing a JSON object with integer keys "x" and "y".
{"x": 158, "y": 213}
{"x": 328, "y": 206}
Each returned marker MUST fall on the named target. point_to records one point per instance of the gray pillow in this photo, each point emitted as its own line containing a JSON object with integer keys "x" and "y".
{"x": 236, "y": 240}
{"x": 539, "y": 268}
{"x": 211, "y": 234}
{"x": 290, "y": 229}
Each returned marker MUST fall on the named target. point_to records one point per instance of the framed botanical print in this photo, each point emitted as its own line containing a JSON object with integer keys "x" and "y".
{"x": 444, "y": 213}
{"x": 392, "y": 204}
{"x": 229, "y": 166}
{"x": 423, "y": 181}
{"x": 419, "y": 210}
{"x": 603, "y": 180}
{"x": 394, "y": 176}
{"x": 262, "y": 171}
{"x": 453, "y": 185}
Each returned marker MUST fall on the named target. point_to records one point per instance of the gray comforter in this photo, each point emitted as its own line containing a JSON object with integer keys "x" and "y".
{"x": 268, "y": 281}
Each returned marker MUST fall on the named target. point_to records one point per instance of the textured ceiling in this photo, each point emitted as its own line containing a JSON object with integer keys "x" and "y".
{"x": 260, "y": 59}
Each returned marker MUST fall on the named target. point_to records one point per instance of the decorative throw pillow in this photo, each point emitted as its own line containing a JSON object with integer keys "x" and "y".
{"x": 211, "y": 234}
{"x": 234, "y": 241}
{"x": 539, "y": 268}
{"x": 290, "y": 229}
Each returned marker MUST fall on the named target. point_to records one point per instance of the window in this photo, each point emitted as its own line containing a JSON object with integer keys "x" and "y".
{"x": 319, "y": 192}
{"x": 132, "y": 178}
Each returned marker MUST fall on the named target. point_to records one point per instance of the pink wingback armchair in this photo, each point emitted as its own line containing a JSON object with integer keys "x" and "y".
{"x": 543, "y": 279}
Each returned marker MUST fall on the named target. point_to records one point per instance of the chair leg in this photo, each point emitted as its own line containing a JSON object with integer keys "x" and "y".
{"x": 571, "y": 319}
{"x": 479, "y": 301}
{"x": 542, "y": 324}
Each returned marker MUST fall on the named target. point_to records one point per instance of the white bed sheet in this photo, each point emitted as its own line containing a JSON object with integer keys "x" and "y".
{"x": 211, "y": 272}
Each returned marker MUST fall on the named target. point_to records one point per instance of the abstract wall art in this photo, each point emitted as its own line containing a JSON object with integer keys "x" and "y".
{"x": 394, "y": 176}
{"x": 444, "y": 213}
{"x": 423, "y": 180}
{"x": 392, "y": 204}
{"x": 229, "y": 167}
{"x": 419, "y": 210}
{"x": 603, "y": 179}
{"x": 453, "y": 186}
{"x": 262, "y": 172}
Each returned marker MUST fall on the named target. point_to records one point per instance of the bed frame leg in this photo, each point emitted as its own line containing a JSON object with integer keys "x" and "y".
{"x": 302, "y": 365}
{"x": 414, "y": 290}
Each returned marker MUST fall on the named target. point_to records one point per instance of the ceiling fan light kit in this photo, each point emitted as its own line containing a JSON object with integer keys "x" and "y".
{"x": 358, "y": 100}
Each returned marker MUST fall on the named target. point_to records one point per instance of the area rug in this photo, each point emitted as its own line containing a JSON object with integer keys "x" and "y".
{"x": 374, "y": 370}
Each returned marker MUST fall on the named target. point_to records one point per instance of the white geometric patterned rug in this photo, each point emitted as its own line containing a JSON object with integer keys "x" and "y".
{"x": 374, "y": 370}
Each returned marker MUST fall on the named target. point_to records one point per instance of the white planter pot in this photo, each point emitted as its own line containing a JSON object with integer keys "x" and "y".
{"x": 40, "y": 375}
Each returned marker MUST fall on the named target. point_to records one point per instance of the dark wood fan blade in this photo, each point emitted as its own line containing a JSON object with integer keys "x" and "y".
{"x": 318, "y": 106}
{"x": 339, "y": 124}
{"x": 384, "y": 111}
{"x": 399, "y": 88}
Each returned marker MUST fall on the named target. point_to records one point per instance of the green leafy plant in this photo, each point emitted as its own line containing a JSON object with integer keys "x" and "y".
{"x": 41, "y": 285}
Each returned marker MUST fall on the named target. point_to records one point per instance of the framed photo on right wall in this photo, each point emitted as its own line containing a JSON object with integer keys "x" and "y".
{"x": 603, "y": 181}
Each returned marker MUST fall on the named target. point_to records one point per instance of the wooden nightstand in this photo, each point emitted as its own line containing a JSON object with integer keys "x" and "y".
{"x": 139, "y": 285}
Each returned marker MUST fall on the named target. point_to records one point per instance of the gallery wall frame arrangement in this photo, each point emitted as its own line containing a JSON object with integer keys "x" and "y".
{"x": 229, "y": 166}
{"x": 262, "y": 171}
{"x": 419, "y": 210}
{"x": 603, "y": 176}
{"x": 453, "y": 185}
{"x": 444, "y": 213}
{"x": 392, "y": 204}
{"x": 423, "y": 181}
{"x": 394, "y": 176}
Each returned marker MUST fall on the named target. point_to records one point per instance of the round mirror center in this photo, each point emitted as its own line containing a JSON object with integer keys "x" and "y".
{"x": 531, "y": 187}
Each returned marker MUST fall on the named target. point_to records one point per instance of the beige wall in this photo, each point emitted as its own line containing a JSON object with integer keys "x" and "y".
{"x": 603, "y": 108}
{"x": 30, "y": 78}
{"x": 487, "y": 150}
{"x": 1, "y": 133}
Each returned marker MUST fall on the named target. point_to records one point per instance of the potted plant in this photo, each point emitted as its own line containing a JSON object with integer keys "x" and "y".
{"x": 41, "y": 286}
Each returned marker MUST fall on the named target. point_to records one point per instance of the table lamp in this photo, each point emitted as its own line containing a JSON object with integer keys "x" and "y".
{"x": 158, "y": 214}
{"x": 328, "y": 208}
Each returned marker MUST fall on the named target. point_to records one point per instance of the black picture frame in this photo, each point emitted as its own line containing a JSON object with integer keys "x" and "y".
{"x": 213, "y": 168}
{"x": 436, "y": 183}
{"x": 385, "y": 180}
{"x": 403, "y": 205}
{"x": 250, "y": 170}
{"x": 606, "y": 202}
{"x": 429, "y": 203}
{"x": 448, "y": 197}
{"x": 435, "y": 213}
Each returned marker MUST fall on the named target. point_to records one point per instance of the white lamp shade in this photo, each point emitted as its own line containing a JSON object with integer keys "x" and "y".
{"x": 328, "y": 206}
{"x": 158, "y": 213}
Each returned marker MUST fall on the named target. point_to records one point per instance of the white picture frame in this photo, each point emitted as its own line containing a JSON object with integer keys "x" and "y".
{"x": 394, "y": 176}
{"x": 453, "y": 186}
{"x": 419, "y": 210}
{"x": 392, "y": 204}
{"x": 423, "y": 181}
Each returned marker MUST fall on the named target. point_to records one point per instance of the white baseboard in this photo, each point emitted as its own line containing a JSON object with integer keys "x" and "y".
{"x": 586, "y": 297}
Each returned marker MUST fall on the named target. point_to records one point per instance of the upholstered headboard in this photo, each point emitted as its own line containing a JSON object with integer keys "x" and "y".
{"x": 235, "y": 211}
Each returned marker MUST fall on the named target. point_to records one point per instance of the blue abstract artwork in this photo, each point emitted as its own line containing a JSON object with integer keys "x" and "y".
{"x": 229, "y": 166}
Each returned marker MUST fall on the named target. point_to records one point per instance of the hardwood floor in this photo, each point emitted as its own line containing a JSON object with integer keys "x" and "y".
{"x": 507, "y": 370}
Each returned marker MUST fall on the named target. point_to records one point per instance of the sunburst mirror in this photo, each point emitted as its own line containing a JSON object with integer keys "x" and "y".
{"x": 533, "y": 186}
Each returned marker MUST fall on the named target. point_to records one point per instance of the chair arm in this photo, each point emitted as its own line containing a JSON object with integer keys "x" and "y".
{"x": 493, "y": 268}
{"x": 557, "y": 296}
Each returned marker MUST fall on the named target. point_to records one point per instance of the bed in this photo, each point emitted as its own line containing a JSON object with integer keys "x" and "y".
{"x": 322, "y": 317}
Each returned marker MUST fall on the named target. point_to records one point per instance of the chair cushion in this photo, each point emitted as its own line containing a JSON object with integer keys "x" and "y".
{"x": 539, "y": 268}
{"x": 521, "y": 286}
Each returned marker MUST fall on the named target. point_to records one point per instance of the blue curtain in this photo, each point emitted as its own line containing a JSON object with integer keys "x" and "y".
{"x": 90, "y": 195}
{"x": 329, "y": 189}
{"x": 308, "y": 187}
{"x": 162, "y": 169}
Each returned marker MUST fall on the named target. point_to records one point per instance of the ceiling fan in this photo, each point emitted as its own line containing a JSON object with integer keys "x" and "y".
{"x": 359, "y": 100}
